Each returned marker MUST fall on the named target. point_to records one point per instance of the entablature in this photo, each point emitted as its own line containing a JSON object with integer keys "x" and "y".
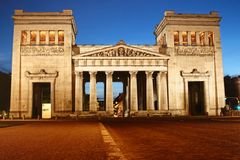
{"x": 94, "y": 62}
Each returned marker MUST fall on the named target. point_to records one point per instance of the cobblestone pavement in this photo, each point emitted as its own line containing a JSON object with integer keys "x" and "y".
{"x": 52, "y": 140}
{"x": 182, "y": 139}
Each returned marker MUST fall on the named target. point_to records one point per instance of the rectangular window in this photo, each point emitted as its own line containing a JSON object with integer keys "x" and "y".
{"x": 193, "y": 38}
{"x": 176, "y": 38}
{"x": 210, "y": 38}
{"x": 42, "y": 37}
{"x": 33, "y": 37}
{"x": 24, "y": 38}
{"x": 60, "y": 37}
{"x": 184, "y": 38}
{"x": 202, "y": 38}
{"x": 52, "y": 37}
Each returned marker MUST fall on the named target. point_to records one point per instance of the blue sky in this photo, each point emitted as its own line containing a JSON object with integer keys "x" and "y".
{"x": 108, "y": 21}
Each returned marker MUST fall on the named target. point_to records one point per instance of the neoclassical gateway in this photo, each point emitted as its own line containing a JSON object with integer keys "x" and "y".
{"x": 181, "y": 74}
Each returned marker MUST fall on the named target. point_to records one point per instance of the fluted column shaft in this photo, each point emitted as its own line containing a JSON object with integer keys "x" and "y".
{"x": 133, "y": 91}
{"x": 37, "y": 37}
{"x": 56, "y": 36}
{"x": 197, "y": 38}
{"x": 109, "y": 92}
{"x": 78, "y": 91}
{"x": 180, "y": 38}
{"x": 149, "y": 89}
{"x": 206, "y": 38}
{"x": 165, "y": 91}
{"x": 159, "y": 90}
{"x": 189, "y": 38}
{"x": 93, "y": 92}
{"x": 28, "y": 37}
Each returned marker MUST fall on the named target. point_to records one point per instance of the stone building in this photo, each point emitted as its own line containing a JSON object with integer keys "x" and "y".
{"x": 181, "y": 74}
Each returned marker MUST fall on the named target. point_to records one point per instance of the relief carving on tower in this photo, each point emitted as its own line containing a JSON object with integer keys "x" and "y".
{"x": 42, "y": 74}
{"x": 195, "y": 73}
{"x": 121, "y": 52}
{"x": 194, "y": 51}
{"x": 42, "y": 51}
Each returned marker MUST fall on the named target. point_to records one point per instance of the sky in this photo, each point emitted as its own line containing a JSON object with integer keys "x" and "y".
{"x": 108, "y": 21}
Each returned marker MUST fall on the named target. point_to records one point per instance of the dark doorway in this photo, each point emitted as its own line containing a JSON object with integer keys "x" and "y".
{"x": 41, "y": 94}
{"x": 196, "y": 98}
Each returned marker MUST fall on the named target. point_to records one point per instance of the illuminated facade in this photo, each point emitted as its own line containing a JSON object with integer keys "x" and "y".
{"x": 181, "y": 74}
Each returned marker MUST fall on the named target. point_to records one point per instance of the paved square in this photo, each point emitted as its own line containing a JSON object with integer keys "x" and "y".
{"x": 121, "y": 139}
{"x": 52, "y": 140}
{"x": 191, "y": 139}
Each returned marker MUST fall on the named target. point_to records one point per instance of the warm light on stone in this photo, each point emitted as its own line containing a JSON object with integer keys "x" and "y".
{"x": 181, "y": 75}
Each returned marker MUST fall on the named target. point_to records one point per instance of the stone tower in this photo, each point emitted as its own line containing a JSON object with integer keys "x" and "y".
{"x": 42, "y": 60}
{"x": 193, "y": 43}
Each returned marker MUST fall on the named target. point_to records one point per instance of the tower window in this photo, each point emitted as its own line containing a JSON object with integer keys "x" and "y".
{"x": 33, "y": 37}
{"x": 176, "y": 38}
{"x": 184, "y": 38}
{"x": 42, "y": 37}
{"x": 202, "y": 38}
{"x": 210, "y": 38}
{"x": 60, "y": 37}
{"x": 52, "y": 37}
{"x": 24, "y": 38}
{"x": 193, "y": 38}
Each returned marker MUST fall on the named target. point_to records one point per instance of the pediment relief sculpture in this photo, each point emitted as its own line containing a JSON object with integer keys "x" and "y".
{"x": 121, "y": 50}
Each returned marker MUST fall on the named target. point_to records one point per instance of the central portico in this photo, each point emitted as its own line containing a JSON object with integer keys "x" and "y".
{"x": 143, "y": 73}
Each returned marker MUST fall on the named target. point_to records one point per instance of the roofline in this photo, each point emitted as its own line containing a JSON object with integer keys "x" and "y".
{"x": 21, "y": 15}
{"x": 173, "y": 18}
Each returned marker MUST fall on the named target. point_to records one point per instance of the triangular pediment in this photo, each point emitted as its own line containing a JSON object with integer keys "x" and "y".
{"x": 121, "y": 50}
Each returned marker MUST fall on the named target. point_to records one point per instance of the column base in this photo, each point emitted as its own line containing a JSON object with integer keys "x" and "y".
{"x": 133, "y": 113}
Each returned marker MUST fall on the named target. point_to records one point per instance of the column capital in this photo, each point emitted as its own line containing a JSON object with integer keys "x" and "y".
{"x": 133, "y": 72}
{"x": 78, "y": 73}
{"x": 163, "y": 73}
{"x": 92, "y": 72}
{"x": 108, "y": 72}
{"x": 148, "y": 72}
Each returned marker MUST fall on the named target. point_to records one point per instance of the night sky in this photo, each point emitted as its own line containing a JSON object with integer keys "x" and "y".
{"x": 108, "y": 21}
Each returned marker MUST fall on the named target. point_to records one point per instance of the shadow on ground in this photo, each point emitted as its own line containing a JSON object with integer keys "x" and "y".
{"x": 4, "y": 124}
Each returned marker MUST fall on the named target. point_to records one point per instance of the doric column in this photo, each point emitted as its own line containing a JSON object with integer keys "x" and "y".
{"x": 93, "y": 92}
{"x": 149, "y": 89}
{"x": 56, "y": 36}
{"x": 159, "y": 90}
{"x": 133, "y": 91}
{"x": 78, "y": 91}
{"x": 189, "y": 38}
{"x": 28, "y": 37}
{"x": 109, "y": 92}
{"x": 180, "y": 38}
{"x": 198, "y": 38}
{"x": 47, "y": 37}
{"x": 37, "y": 37}
{"x": 206, "y": 38}
{"x": 127, "y": 94}
{"x": 165, "y": 91}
